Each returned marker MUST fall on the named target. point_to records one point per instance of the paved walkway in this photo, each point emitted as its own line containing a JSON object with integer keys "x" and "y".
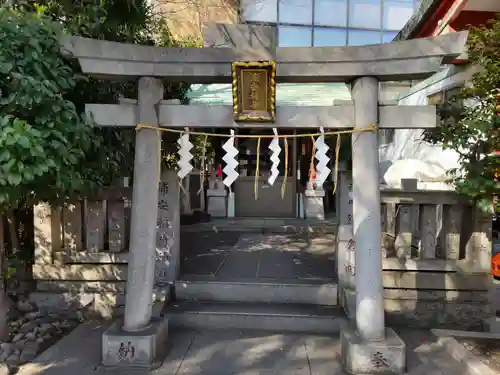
{"x": 233, "y": 255}
{"x": 234, "y": 353}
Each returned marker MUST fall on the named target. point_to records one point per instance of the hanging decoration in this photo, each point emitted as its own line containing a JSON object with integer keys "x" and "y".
{"x": 318, "y": 173}
{"x": 322, "y": 170}
{"x": 185, "y": 156}
{"x": 275, "y": 149}
{"x": 230, "y": 160}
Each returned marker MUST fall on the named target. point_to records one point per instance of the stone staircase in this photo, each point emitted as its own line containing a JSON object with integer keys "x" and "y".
{"x": 284, "y": 306}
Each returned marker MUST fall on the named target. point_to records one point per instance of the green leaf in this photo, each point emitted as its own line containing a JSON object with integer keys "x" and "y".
{"x": 5, "y": 155}
{"x": 14, "y": 178}
{"x": 28, "y": 175}
{"x": 10, "y": 140}
{"x": 6, "y": 67}
{"x": 24, "y": 142}
{"x": 6, "y": 120}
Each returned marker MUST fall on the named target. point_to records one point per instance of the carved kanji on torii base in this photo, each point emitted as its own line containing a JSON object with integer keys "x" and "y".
{"x": 366, "y": 345}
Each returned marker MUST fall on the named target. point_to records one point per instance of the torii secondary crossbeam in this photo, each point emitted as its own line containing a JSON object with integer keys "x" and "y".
{"x": 221, "y": 116}
{"x": 361, "y": 67}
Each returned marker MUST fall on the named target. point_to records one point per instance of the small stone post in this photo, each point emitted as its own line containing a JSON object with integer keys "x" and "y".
{"x": 368, "y": 348}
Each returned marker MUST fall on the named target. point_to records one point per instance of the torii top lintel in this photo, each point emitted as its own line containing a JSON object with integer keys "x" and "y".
{"x": 405, "y": 60}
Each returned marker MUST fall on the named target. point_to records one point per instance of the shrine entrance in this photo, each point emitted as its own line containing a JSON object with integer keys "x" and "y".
{"x": 255, "y": 196}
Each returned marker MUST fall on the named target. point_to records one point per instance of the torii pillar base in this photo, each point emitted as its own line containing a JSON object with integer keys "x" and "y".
{"x": 144, "y": 349}
{"x": 361, "y": 356}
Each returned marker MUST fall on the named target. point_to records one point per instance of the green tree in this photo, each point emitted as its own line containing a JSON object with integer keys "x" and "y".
{"x": 48, "y": 149}
{"x": 471, "y": 120}
{"x": 43, "y": 137}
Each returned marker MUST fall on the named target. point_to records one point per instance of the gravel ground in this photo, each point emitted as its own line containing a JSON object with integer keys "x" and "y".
{"x": 32, "y": 332}
{"x": 487, "y": 350}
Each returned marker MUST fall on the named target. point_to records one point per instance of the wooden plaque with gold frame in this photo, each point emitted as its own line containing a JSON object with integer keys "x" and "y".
{"x": 254, "y": 91}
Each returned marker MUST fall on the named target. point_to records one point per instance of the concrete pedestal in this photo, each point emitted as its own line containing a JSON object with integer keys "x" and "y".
{"x": 145, "y": 348}
{"x": 217, "y": 202}
{"x": 313, "y": 204}
{"x": 360, "y": 356}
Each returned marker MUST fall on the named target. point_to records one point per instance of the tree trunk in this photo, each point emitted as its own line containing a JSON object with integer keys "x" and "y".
{"x": 201, "y": 192}
{"x": 4, "y": 298}
{"x": 14, "y": 239}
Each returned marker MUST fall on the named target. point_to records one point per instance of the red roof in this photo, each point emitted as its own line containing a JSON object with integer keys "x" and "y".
{"x": 434, "y": 16}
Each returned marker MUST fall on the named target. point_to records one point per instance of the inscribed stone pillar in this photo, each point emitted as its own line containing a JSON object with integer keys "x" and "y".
{"x": 168, "y": 229}
{"x": 345, "y": 243}
{"x": 141, "y": 266}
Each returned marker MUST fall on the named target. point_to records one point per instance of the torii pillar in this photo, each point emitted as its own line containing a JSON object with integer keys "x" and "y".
{"x": 139, "y": 340}
{"x": 368, "y": 347}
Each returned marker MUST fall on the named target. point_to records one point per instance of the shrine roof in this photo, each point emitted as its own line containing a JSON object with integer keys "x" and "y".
{"x": 286, "y": 94}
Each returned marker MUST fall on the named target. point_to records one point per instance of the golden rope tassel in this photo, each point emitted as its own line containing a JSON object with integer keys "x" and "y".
{"x": 336, "y": 168}
{"x": 257, "y": 172}
{"x": 202, "y": 168}
{"x": 283, "y": 185}
{"x": 158, "y": 134}
{"x": 312, "y": 169}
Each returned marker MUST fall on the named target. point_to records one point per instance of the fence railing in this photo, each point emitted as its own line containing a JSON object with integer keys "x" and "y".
{"x": 93, "y": 225}
{"x": 434, "y": 225}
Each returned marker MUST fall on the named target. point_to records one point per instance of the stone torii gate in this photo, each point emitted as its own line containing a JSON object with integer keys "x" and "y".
{"x": 361, "y": 67}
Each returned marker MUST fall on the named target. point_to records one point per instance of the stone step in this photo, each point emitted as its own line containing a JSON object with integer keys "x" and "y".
{"x": 263, "y": 225}
{"x": 260, "y": 316}
{"x": 313, "y": 292}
